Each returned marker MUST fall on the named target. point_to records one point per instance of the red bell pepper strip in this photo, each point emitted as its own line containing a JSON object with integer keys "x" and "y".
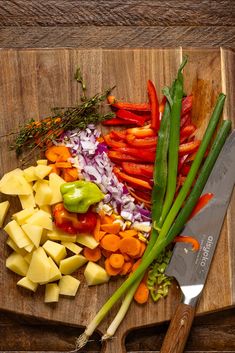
{"x": 187, "y": 104}
{"x": 142, "y": 107}
{"x": 186, "y": 239}
{"x": 140, "y": 198}
{"x": 162, "y": 105}
{"x": 117, "y": 156}
{"x": 141, "y": 142}
{"x": 131, "y": 117}
{"x": 138, "y": 169}
{"x": 141, "y": 132}
{"x": 118, "y": 135}
{"x": 202, "y": 202}
{"x": 154, "y": 105}
{"x": 117, "y": 121}
{"x": 181, "y": 162}
{"x": 187, "y": 131}
{"x": 132, "y": 180}
{"x": 142, "y": 154}
{"x": 185, "y": 120}
{"x": 185, "y": 169}
{"x": 189, "y": 147}
{"x": 113, "y": 143}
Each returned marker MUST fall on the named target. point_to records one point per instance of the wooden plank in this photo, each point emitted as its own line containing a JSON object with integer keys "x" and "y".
{"x": 117, "y": 37}
{"x": 116, "y": 13}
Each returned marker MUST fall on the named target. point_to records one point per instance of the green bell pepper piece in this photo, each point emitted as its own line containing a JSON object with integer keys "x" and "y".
{"x": 79, "y": 195}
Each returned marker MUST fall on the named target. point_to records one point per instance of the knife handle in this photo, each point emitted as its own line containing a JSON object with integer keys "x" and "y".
{"x": 179, "y": 329}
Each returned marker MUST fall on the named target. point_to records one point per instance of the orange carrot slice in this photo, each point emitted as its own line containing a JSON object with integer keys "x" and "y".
{"x": 63, "y": 165}
{"x": 131, "y": 246}
{"x": 92, "y": 254}
{"x": 57, "y": 154}
{"x": 110, "y": 242}
{"x": 116, "y": 260}
{"x": 113, "y": 228}
{"x": 110, "y": 269}
{"x": 128, "y": 233}
{"x": 142, "y": 293}
{"x": 126, "y": 268}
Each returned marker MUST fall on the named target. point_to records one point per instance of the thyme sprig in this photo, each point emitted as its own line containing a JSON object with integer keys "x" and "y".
{"x": 34, "y": 134}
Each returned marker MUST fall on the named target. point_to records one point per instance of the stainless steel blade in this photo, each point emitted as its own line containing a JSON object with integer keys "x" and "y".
{"x": 191, "y": 268}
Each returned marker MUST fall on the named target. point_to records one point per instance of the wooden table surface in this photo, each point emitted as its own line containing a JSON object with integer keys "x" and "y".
{"x": 116, "y": 24}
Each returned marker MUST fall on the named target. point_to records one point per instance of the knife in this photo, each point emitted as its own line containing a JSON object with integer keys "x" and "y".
{"x": 190, "y": 268}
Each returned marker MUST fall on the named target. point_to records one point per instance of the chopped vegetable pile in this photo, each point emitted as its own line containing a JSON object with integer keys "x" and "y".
{"x": 114, "y": 202}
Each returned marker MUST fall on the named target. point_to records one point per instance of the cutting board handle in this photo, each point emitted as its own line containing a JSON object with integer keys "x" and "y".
{"x": 179, "y": 329}
{"x": 114, "y": 345}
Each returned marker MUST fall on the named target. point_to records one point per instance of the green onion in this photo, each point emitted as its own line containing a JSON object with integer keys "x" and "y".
{"x": 162, "y": 240}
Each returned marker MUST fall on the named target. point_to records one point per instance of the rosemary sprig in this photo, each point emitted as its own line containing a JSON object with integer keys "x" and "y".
{"x": 39, "y": 133}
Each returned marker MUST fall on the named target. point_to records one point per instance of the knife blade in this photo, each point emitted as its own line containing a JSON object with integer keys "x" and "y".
{"x": 191, "y": 268}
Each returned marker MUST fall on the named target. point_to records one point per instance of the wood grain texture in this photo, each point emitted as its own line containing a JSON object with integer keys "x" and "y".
{"x": 116, "y": 13}
{"x": 33, "y": 81}
{"x": 117, "y": 37}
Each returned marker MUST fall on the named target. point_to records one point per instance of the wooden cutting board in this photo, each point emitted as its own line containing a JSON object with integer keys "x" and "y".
{"x": 33, "y": 81}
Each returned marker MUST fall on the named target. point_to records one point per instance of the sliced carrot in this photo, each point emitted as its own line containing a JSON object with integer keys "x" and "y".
{"x": 101, "y": 235}
{"x": 142, "y": 293}
{"x": 63, "y": 165}
{"x": 128, "y": 233}
{"x": 113, "y": 228}
{"x": 116, "y": 260}
{"x": 92, "y": 254}
{"x": 131, "y": 246}
{"x": 70, "y": 174}
{"x": 54, "y": 169}
{"x": 126, "y": 268}
{"x": 142, "y": 249}
{"x": 126, "y": 257}
{"x": 96, "y": 231}
{"x": 110, "y": 242}
{"x": 136, "y": 265}
{"x": 106, "y": 253}
{"x": 110, "y": 269}
{"x": 57, "y": 154}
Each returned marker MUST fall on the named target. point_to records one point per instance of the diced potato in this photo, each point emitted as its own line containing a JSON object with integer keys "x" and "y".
{"x": 29, "y": 174}
{"x": 58, "y": 234}
{"x": 44, "y": 237}
{"x": 38, "y": 183}
{"x": 46, "y": 208}
{"x": 68, "y": 285}
{"x": 55, "y": 181}
{"x": 52, "y": 292}
{"x": 55, "y": 273}
{"x": 21, "y": 216}
{"x": 42, "y": 162}
{"x": 43, "y": 194}
{"x": 41, "y": 218}
{"x": 4, "y": 207}
{"x": 71, "y": 264}
{"x": 15, "y": 185}
{"x": 41, "y": 171}
{"x": 28, "y": 257}
{"x": 8, "y": 175}
{"x": 16, "y": 263}
{"x": 33, "y": 232}
{"x": 13, "y": 245}
{"x": 26, "y": 283}
{"x": 27, "y": 201}
{"x": 39, "y": 268}
{"x": 55, "y": 250}
{"x": 17, "y": 234}
{"x": 95, "y": 274}
{"x": 72, "y": 247}
{"x": 87, "y": 240}
{"x": 29, "y": 247}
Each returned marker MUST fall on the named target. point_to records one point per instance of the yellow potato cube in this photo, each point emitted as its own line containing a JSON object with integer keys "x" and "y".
{"x": 55, "y": 181}
{"x": 68, "y": 285}
{"x": 71, "y": 264}
{"x": 16, "y": 263}
{"x": 42, "y": 162}
{"x": 38, "y": 183}
{"x": 26, "y": 283}
{"x": 15, "y": 185}
{"x": 4, "y": 207}
{"x": 43, "y": 194}
{"x": 41, "y": 218}
{"x": 55, "y": 250}
{"x": 46, "y": 208}
{"x": 29, "y": 247}
{"x": 21, "y": 216}
{"x": 87, "y": 240}
{"x": 44, "y": 237}
{"x": 95, "y": 274}
{"x": 29, "y": 174}
{"x": 14, "y": 247}
{"x": 27, "y": 201}
{"x": 41, "y": 171}
{"x": 52, "y": 292}
{"x": 28, "y": 257}
{"x": 39, "y": 268}
{"x": 8, "y": 175}
{"x": 16, "y": 233}
{"x": 57, "y": 234}
{"x": 72, "y": 247}
{"x": 55, "y": 273}
{"x": 33, "y": 232}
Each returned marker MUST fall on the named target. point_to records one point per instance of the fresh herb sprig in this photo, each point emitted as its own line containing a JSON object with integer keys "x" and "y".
{"x": 35, "y": 134}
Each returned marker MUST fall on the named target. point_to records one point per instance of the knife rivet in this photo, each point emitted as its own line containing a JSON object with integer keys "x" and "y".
{"x": 182, "y": 322}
